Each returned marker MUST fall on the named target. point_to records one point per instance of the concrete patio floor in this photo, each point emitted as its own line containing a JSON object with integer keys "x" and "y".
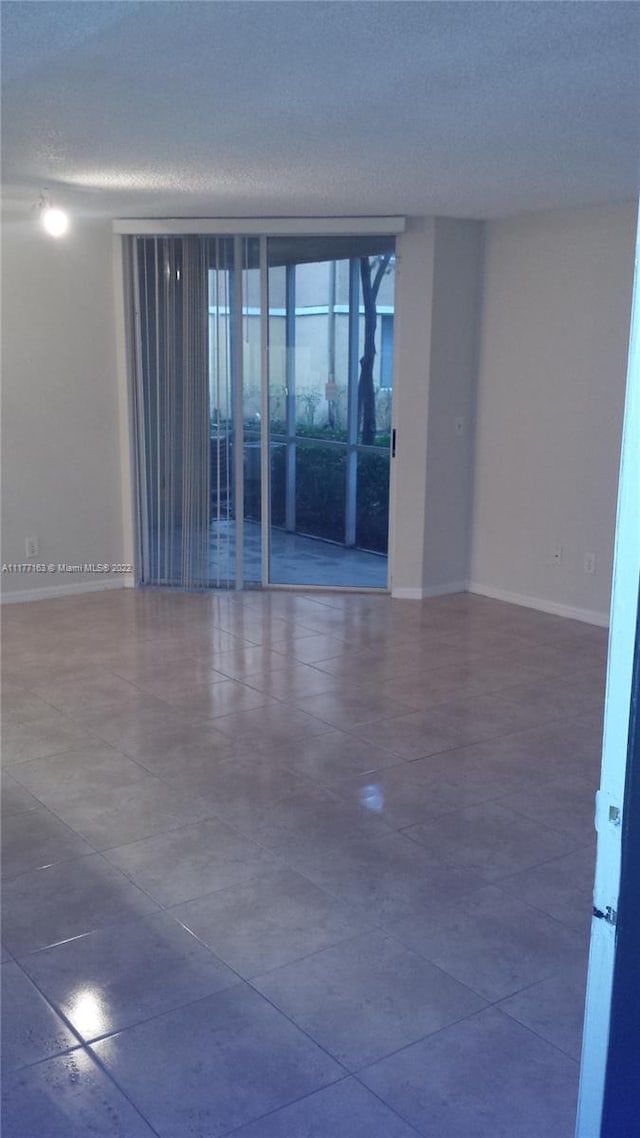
{"x": 295, "y": 560}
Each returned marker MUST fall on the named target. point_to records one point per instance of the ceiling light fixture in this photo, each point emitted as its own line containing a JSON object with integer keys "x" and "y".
{"x": 54, "y": 220}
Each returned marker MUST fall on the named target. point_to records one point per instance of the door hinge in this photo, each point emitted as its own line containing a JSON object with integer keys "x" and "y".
{"x": 607, "y": 812}
{"x": 393, "y": 443}
{"x": 610, "y": 915}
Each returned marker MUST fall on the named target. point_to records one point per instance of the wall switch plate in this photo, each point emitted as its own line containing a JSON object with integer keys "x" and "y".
{"x": 31, "y": 546}
{"x": 556, "y": 556}
{"x": 589, "y": 562}
{"x": 458, "y": 426}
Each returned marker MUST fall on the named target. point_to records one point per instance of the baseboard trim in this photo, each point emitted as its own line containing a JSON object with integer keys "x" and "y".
{"x": 51, "y": 592}
{"x": 587, "y": 616}
{"x": 444, "y": 590}
{"x": 402, "y": 594}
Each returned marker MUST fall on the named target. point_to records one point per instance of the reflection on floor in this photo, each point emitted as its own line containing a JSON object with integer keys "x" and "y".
{"x": 295, "y": 560}
{"x": 290, "y": 864}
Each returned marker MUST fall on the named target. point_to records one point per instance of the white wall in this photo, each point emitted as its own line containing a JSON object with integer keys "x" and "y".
{"x": 60, "y": 456}
{"x": 452, "y": 388}
{"x": 438, "y": 281}
{"x": 555, "y": 328}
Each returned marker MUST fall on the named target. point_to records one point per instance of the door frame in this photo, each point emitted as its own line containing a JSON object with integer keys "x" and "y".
{"x": 610, "y": 820}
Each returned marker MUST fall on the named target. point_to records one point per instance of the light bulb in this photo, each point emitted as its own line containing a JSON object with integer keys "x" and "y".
{"x": 55, "y": 221}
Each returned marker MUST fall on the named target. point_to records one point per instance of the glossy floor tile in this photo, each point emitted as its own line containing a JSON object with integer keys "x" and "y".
{"x": 386, "y": 876}
{"x": 493, "y": 943}
{"x": 329, "y": 758}
{"x": 344, "y": 1110}
{"x": 123, "y": 974}
{"x": 50, "y": 734}
{"x": 367, "y": 997}
{"x": 491, "y": 839}
{"x": 48, "y": 905}
{"x": 400, "y": 796}
{"x": 268, "y": 921}
{"x": 238, "y": 1058}
{"x": 566, "y": 804}
{"x": 31, "y": 1030}
{"x": 270, "y": 856}
{"x": 68, "y": 1097}
{"x": 15, "y": 799}
{"x": 108, "y": 798}
{"x": 36, "y": 839}
{"x": 224, "y": 697}
{"x": 85, "y": 692}
{"x": 485, "y": 1076}
{"x": 239, "y": 790}
{"x": 562, "y": 887}
{"x": 190, "y": 861}
{"x": 554, "y": 1008}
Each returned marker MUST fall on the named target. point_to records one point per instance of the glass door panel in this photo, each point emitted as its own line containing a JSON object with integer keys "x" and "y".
{"x": 321, "y": 476}
{"x": 372, "y": 499}
{"x": 330, "y": 303}
{"x": 313, "y": 552}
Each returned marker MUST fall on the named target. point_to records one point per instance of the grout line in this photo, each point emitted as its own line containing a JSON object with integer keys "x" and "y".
{"x": 284, "y": 1106}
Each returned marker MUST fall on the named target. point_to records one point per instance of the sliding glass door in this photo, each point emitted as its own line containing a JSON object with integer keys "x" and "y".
{"x": 261, "y": 378}
{"x": 330, "y": 383}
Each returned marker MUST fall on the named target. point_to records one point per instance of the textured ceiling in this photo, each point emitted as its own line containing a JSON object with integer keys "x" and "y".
{"x": 214, "y": 108}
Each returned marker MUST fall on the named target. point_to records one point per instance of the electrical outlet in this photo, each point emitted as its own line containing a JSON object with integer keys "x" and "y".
{"x": 31, "y": 546}
{"x": 556, "y": 556}
{"x": 589, "y": 562}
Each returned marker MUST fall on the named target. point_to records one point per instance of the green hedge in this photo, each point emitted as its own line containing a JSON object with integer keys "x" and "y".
{"x": 321, "y": 489}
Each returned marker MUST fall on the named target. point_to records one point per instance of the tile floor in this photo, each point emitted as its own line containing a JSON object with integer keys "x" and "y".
{"x": 292, "y": 866}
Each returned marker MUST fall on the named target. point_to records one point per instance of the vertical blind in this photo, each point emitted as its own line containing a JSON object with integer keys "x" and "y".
{"x": 166, "y": 293}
